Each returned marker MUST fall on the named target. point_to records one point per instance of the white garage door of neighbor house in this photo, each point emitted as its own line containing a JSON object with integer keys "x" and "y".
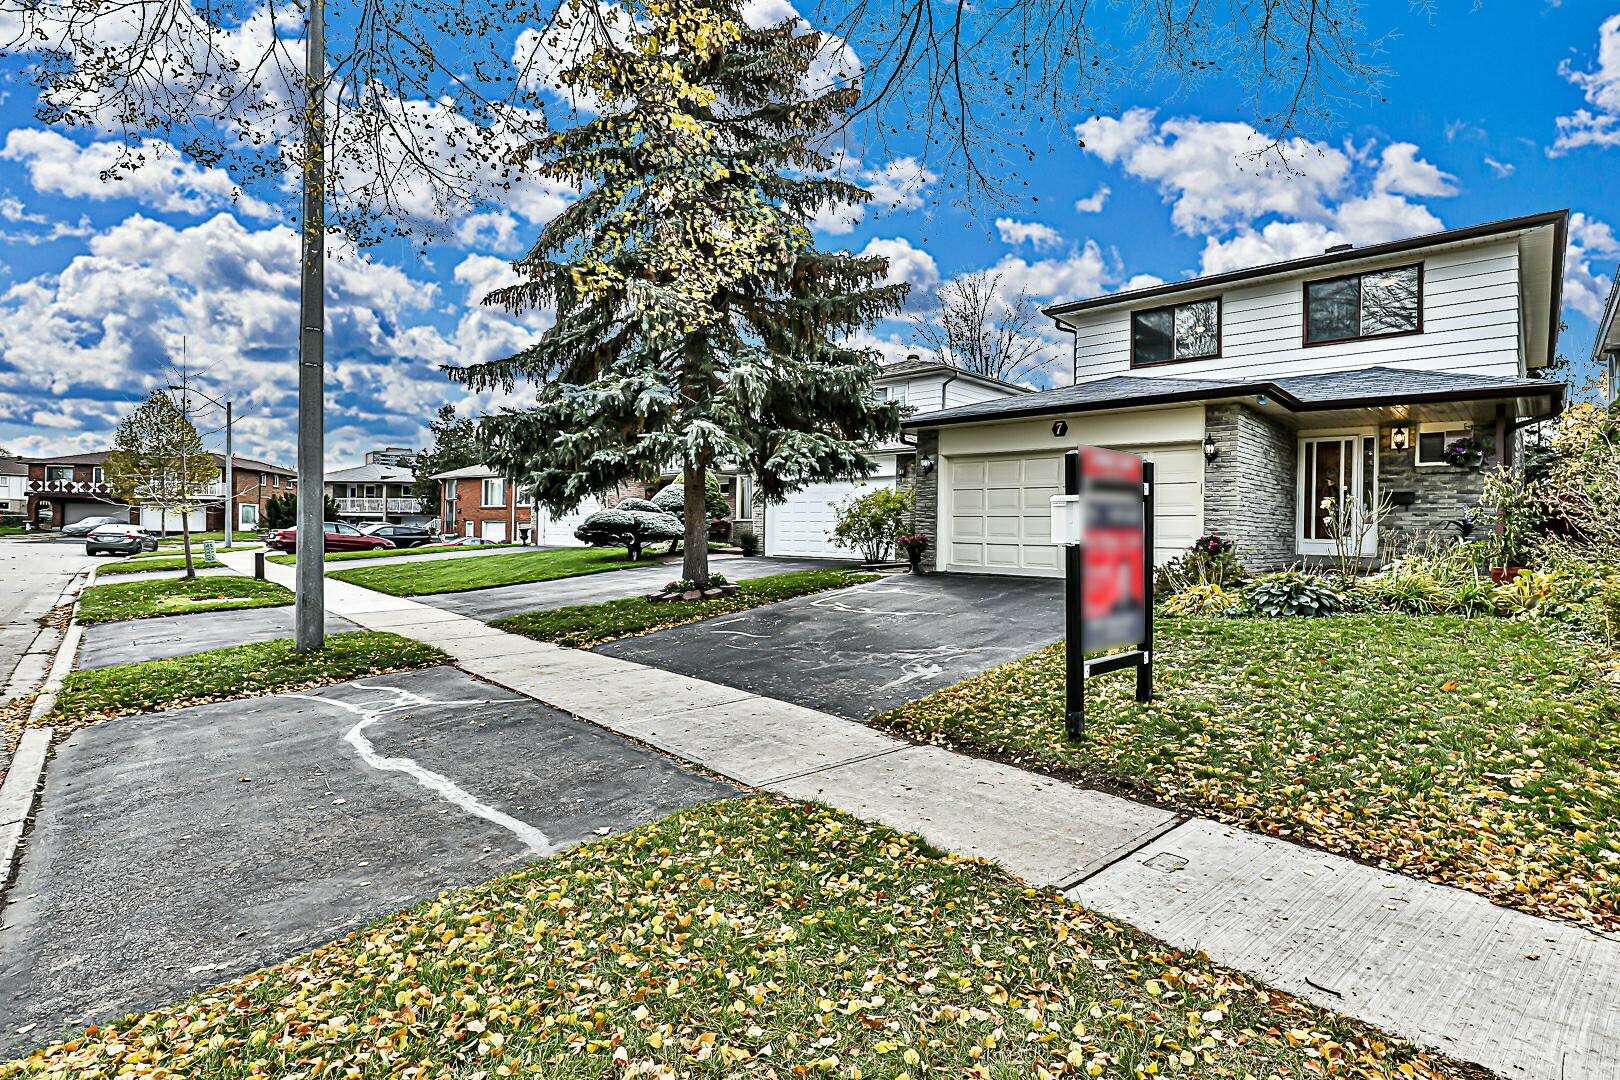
{"x": 156, "y": 520}
{"x": 559, "y": 531}
{"x": 802, "y": 523}
{"x": 1001, "y": 512}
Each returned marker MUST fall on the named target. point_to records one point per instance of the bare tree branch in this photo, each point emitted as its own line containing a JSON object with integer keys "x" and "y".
{"x": 978, "y": 329}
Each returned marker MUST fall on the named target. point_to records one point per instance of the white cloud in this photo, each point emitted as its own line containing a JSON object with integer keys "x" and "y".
{"x": 1036, "y": 235}
{"x": 1599, "y": 124}
{"x": 900, "y": 185}
{"x": 1093, "y": 203}
{"x": 907, "y": 263}
{"x": 1502, "y": 169}
{"x": 1275, "y": 242}
{"x": 1585, "y": 287}
{"x": 165, "y": 180}
{"x": 1401, "y": 171}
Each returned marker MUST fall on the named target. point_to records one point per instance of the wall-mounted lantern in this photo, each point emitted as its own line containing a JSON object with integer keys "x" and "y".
{"x": 1398, "y": 437}
{"x": 1211, "y": 451}
{"x": 925, "y": 464}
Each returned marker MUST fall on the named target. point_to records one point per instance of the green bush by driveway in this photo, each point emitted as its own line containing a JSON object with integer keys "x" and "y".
{"x": 487, "y": 572}
{"x": 266, "y": 667}
{"x": 584, "y": 625}
{"x": 742, "y": 938}
{"x": 1483, "y": 753}
{"x": 177, "y": 596}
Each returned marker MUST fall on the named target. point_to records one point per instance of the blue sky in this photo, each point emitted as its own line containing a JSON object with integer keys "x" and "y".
{"x": 1488, "y": 111}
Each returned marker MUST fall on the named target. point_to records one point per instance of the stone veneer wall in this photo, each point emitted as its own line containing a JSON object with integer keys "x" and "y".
{"x": 1250, "y": 489}
{"x": 1442, "y": 492}
{"x": 927, "y": 504}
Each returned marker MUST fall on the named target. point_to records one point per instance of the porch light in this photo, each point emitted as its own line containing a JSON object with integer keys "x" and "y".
{"x": 925, "y": 464}
{"x": 1397, "y": 438}
{"x": 1211, "y": 451}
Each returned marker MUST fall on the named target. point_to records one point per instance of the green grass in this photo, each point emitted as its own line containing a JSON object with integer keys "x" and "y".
{"x": 175, "y": 540}
{"x": 150, "y": 565}
{"x": 196, "y": 549}
{"x": 12, "y": 530}
{"x": 584, "y": 625}
{"x": 176, "y": 596}
{"x": 237, "y": 671}
{"x": 1482, "y": 753}
{"x": 741, "y": 938}
{"x": 380, "y": 553}
{"x": 462, "y": 575}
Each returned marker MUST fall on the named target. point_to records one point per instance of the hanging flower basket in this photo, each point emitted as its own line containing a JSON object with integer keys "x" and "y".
{"x": 1468, "y": 453}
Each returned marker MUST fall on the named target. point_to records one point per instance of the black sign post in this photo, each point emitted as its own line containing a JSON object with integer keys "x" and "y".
{"x": 1076, "y": 668}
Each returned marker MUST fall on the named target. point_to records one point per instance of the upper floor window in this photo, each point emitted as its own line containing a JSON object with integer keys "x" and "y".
{"x": 1190, "y": 331}
{"x": 59, "y": 472}
{"x": 1374, "y": 304}
{"x": 98, "y": 475}
{"x": 494, "y": 492}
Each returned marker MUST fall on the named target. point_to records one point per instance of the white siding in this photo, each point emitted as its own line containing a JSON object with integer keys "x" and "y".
{"x": 926, "y": 393}
{"x": 1471, "y": 321}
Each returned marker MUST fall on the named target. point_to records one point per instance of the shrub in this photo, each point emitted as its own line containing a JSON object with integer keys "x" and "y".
{"x": 870, "y": 523}
{"x": 280, "y": 512}
{"x": 629, "y": 526}
{"x": 1534, "y": 594}
{"x": 673, "y": 498}
{"x": 1200, "y": 566}
{"x": 1291, "y": 592}
{"x": 1203, "y": 600}
{"x": 1520, "y": 512}
{"x": 748, "y": 540}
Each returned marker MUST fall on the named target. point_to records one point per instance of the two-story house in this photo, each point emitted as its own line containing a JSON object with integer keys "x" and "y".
{"x": 802, "y": 524}
{"x": 70, "y": 488}
{"x": 1260, "y": 394}
{"x": 378, "y": 489}
{"x": 13, "y": 487}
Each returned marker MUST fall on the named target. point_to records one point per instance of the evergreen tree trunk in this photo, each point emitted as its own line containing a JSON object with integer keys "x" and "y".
{"x": 695, "y": 562}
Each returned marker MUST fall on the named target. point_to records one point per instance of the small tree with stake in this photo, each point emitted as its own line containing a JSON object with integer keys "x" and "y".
{"x": 158, "y": 460}
{"x": 696, "y": 321}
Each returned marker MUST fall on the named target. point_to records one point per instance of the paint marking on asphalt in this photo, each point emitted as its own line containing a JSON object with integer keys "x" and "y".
{"x": 438, "y": 783}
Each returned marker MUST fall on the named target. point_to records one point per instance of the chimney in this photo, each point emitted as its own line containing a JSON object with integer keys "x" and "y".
{"x": 914, "y": 357}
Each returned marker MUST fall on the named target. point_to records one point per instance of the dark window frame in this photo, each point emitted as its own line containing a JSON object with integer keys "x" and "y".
{"x": 1305, "y": 307}
{"x": 1220, "y": 315}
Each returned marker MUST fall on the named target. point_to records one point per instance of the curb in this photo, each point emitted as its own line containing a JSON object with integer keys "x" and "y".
{"x": 38, "y": 659}
{"x": 17, "y": 795}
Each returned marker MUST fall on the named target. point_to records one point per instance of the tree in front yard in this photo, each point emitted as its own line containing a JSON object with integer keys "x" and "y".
{"x": 632, "y": 524}
{"x": 715, "y": 507}
{"x": 696, "y": 322}
{"x": 453, "y": 445}
{"x": 158, "y": 460}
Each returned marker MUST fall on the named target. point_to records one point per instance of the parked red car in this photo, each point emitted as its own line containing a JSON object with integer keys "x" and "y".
{"x": 339, "y": 537}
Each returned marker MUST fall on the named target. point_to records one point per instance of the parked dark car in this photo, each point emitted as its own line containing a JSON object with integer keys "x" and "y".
{"x": 85, "y": 526}
{"x": 403, "y": 536}
{"x": 340, "y": 536}
{"x": 121, "y": 539}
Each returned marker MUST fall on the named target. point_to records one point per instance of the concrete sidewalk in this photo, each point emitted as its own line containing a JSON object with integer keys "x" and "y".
{"x": 1523, "y": 996}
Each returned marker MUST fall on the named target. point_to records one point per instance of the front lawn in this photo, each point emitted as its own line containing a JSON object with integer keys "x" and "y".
{"x": 492, "y": 571}
{"x": 1481, "y": 753}
{"x": 135, "y": 565}
{"x": 237, "y": 671}
{"x": 379, "y": 553}
{"x": 741, "y": 938}
{"x": 177, "y": 596}
{"x": 584, "y": 625}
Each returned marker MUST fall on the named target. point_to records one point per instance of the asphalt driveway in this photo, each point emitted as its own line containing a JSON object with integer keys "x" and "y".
{"x": 176, "y": 850}
{"x": 864, "y": 649}
{"x": 497, "y": 603}
{"x": 133, "y": 640}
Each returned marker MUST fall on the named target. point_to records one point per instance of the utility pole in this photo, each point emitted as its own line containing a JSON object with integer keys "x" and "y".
{"x": 310, "y": 602}
{"x": 230, "y": 457}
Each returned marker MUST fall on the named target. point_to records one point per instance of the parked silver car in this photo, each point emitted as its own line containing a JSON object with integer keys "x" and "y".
{"x": 122, "y": 539}
{"x": 85, "y": 526}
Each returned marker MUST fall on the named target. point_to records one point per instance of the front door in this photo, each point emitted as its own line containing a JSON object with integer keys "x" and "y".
{"x": 1338, "y": 473}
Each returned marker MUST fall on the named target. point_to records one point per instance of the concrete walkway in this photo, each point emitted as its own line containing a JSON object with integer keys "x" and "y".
{"x": 1523, "y": 996}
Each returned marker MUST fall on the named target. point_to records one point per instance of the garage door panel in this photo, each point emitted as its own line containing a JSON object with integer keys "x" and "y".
{"x": 1000, "y": 509}
{"x": 802, "y": 524}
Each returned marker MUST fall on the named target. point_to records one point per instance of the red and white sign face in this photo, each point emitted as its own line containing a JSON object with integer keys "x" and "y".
{"x": 1114, "y": 599}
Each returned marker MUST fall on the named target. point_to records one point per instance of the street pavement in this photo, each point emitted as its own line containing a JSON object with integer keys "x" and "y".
{"x": 175, "y": 850}
{"x": 487, "y": 605}
{"x": 34, "y": 573}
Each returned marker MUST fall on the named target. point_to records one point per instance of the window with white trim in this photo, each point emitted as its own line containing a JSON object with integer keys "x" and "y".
{"x": 494, "y": 492}
{"x": 1432, "y": 440}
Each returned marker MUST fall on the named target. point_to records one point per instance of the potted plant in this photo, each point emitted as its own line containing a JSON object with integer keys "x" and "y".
{"x": 1468, "y": 453}
{"x": 913, "y": 546}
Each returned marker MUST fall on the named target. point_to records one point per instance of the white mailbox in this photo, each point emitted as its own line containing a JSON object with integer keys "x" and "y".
{"x": 1067, "y": 523}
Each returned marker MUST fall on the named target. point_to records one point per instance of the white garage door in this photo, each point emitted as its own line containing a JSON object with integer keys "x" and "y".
{"x": 156, "y": 519}
{"x": 802, "y": 523}
{"x": 495, "y": 532}
{"x": 559, "y": 531}
{"x": 999, "y": 509}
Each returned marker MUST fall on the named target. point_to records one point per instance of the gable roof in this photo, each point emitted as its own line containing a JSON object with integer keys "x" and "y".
{"x": 370, "y": 473}
{"x": 905, "y": 369}
{"x": 468, "y": 472}
{"x": 99, "y": 457}
{"x": 1367, "y": 387}
{"x": 10, "y": 466}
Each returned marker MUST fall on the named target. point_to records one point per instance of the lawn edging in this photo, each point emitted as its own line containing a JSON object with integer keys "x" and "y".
{"x": 582, "y": 626}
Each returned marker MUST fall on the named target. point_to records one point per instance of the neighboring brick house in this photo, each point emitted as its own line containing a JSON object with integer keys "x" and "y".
{"x": 1260, "y": 394}
{"x": 63, "y": 490}
{"x": 478, "y": 501}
